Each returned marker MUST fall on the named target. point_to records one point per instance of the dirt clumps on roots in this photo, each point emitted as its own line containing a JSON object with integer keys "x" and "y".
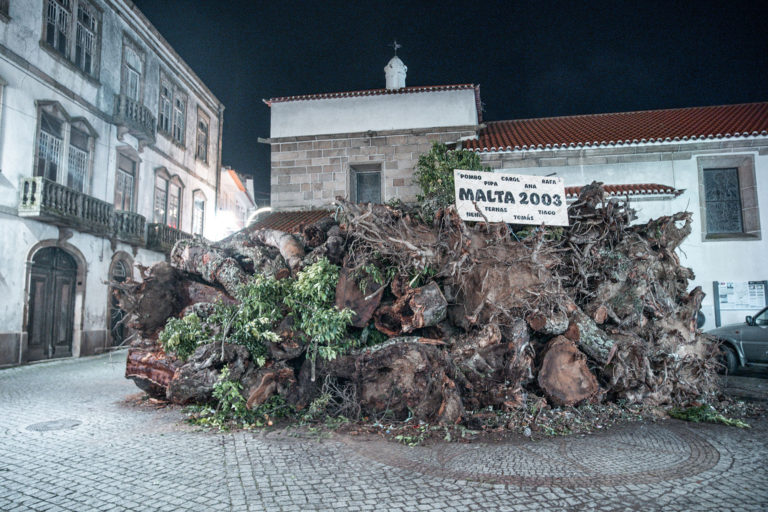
{"x": 451, "y": 321}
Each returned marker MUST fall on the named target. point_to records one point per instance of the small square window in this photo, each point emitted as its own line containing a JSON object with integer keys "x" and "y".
{"x": 366, "y": 184}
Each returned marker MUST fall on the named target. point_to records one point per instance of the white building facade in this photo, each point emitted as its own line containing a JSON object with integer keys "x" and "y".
{"x": 362, "y": 144}
{"x": 711, "y": 161}
{"x": 109, "y": 153}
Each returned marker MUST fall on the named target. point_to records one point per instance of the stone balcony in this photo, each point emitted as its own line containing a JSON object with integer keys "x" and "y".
{"x": 161, "y": 238}
{"x": 134, "y": 118}
{"x": 47, "y": 201}
{"x": 129, "y": 227}
{"x": 51, "y": 202}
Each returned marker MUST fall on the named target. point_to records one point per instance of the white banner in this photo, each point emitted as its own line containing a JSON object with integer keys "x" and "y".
{"x": 510, "y": 198}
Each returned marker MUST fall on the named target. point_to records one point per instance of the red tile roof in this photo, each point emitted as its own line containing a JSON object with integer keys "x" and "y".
{"x": 635, "y": 189}
{"x": 236, "y": 179}
{"x": 648, "y": 126}
{"x": 290, "y": 222}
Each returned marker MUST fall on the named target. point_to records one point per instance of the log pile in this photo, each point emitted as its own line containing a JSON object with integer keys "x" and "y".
{"x": 473, "y": 315}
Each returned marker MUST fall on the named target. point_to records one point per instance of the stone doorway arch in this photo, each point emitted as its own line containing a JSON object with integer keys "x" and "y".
{"x": 51, "y": 313}
{"x": 120, "y": 270}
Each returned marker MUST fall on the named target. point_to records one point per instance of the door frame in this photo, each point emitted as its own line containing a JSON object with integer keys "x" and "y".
{"x": 79, "y": 303}
{"x": 127, "y": 260}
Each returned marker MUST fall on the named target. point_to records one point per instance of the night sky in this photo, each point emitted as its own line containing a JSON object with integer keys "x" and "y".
{"x": 531, "y": 59}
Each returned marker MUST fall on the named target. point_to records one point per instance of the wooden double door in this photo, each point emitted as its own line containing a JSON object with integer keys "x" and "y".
{"x": 51, "y": 319}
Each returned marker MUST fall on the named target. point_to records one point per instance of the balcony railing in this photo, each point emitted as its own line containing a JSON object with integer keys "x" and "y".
{"x": 129, "y": 227}
{"x": 162, "y": 238}
{"x": 52, "y": 202}
{"x": 134, "y": 118}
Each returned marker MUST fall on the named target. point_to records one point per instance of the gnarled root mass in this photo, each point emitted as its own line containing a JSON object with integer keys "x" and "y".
{"x": 469, "y": 316}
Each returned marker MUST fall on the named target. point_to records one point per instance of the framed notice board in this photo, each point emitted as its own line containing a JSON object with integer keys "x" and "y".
{"x": 739, "y": 296}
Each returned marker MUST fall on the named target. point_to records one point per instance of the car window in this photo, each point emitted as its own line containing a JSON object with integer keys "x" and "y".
{"x": 762, "y": 318}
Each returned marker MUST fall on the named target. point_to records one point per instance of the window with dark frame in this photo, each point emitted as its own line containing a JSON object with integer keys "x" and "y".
{"x": 722, "y": 196}
{"x": 50, "y": 140}
{"x": 179, "y": 118}
{"x": 125, "y": 181}
{"x": 198, "y": 213}
{"x": 164, "y": 115}
{"x": 63, "y": 149}
{"x": 77, "y": 165}
{"x": 133, "y": 68}
{"x": 202, "y": 137}
{"x": 366, "y": 184}
{"x": 167, "y": 199}
{"x": 71, "y": 28}
{"x": 172, "y": 111}
{"x": 85, "y": 38}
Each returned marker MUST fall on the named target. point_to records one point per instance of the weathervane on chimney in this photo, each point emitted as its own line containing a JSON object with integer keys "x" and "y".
{"x": 395, "y": 46}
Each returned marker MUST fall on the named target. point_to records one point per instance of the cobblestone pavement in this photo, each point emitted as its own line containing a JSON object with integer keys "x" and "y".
{"x": 69, "y": 442}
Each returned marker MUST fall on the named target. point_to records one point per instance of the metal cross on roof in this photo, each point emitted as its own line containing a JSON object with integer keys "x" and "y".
{"x": 395, "y": 46}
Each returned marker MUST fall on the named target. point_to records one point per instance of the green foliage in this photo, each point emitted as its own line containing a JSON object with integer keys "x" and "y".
{"x": 416, "y": 438}
{"x": 311, "y": 300}
{"x": 231, "y": 402}
{"x": 370, "y": 336}
{"x": 183, "y": 335}
{"x": 422, "y": 277}
{"x": 251, "y": 322}
{"x": 231, "y": 410}
{"x": 434, "y": 174}
{"x": 705, "y": 413}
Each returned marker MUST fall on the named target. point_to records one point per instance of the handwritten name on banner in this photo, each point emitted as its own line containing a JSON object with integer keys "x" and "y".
{"x": 510, "y": 198}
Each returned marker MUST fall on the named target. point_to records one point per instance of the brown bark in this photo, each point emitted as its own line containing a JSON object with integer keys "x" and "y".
{"x": 210, "y": 263}
{"x": 403, "y": 376}
{"x": 290, "y": 249}
{"x": 267, "y": 381}
{"x": 194, "y": 381}
{"x": 316, "y": 234}
{"x": 415, "y": 309}
{"x": 564, "y": 375}
{"x": 363, "y": 303}
{"x": 150, "y": 368}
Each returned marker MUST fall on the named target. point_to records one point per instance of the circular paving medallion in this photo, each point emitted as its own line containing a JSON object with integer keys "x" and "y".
{"x": 65, "y": 424}
{"x": 633, "y": 454}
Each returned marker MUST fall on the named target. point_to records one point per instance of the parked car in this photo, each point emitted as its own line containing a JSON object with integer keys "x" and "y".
{"x": 746, "y": 343}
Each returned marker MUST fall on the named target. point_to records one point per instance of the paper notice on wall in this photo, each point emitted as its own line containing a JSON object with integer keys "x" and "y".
{"x": 736, "y": 295}
{"x": 510, "y": 198}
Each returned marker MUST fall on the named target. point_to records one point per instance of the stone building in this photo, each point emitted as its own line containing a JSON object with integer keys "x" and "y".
{"x": 362, "y": 144}
{"x": 109, "y": 152}
{"x": 710, "y": 160}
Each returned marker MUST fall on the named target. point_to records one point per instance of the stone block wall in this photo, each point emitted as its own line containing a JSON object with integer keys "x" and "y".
{"x": 309, "y": 172}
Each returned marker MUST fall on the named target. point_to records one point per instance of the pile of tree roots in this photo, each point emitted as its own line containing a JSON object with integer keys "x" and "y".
{"x": 465, "y": 316}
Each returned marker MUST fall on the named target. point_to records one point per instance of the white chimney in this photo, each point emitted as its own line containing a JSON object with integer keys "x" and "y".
{"x": 394, "y": 72}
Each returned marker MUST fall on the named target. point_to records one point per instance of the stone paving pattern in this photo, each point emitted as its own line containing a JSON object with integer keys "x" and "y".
{"x": 68, "y": 442}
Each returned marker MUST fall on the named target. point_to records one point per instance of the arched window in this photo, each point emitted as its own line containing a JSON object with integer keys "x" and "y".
{"x": 119, "y": 272}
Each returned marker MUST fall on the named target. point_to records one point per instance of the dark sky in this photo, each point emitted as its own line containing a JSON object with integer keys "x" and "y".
{"x": 531, "y": 58}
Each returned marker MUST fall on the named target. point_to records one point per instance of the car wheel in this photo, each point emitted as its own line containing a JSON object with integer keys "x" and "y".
{"x": 729, "y": 360}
